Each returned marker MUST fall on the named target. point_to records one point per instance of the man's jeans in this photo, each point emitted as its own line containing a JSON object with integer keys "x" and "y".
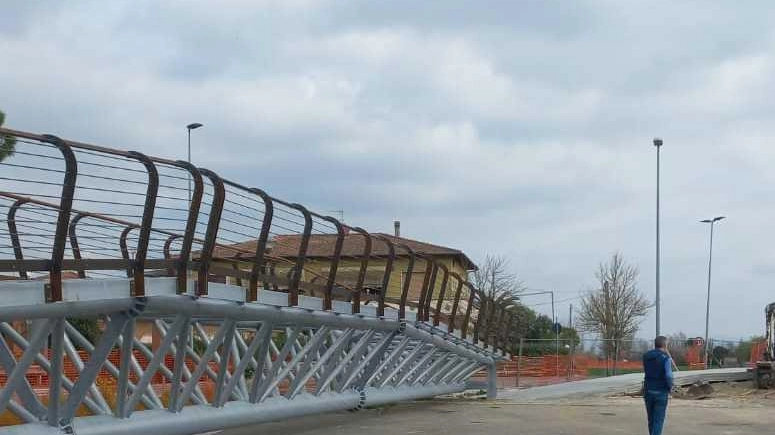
{"x": 656, "y": 407}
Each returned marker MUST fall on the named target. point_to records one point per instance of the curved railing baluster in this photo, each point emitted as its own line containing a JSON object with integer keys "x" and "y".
{"x": 14, "y": 236}
{"x": 63, "y": 217}
{"x": 125, "y": 250}
{"x": 74, "y": 244}
{"x": 442, "y": 292}
{"x": 168, "y": 256}
{"x": 195, "y": 204}
{"x": 334, "y": 267}
{"x": 386, "y": 276}
{"x": 430, "y": 268}
{"x": 407, "y": 281}
{"x": 298, "y": 268}
{"x": 216, "y": 208}
{"x": 147, "y": 222}
{"x": 458, "y": 290}
{"x": 356, "y": 299}
{"x": 469, "y": 309}
{"x": 263, "y": 237}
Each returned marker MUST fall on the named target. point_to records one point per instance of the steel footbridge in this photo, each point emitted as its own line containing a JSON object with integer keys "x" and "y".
{"x": 142, "y": 295}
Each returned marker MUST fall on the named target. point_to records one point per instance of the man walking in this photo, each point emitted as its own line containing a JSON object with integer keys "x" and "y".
{"x": 657, "y": 365}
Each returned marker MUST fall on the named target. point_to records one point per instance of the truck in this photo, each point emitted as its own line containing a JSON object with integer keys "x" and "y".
{"x": 764, "y": 370}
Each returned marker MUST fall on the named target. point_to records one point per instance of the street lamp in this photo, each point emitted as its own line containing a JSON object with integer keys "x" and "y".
{"x": 710, "y": 262}
{"x": 189, "y": 127}
{"x": 658, "y": 145}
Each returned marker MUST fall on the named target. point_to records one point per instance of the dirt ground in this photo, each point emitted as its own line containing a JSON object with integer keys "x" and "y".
{"x": 731, "y": 410}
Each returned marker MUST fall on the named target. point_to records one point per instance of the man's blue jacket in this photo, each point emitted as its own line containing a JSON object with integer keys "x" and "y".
{"x": 659, "y": 371}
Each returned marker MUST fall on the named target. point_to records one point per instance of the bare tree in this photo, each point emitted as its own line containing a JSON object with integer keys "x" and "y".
{"x": 494, "y": 279}
{"x": 500, "y": 288}
{"x": 616, "y": 308}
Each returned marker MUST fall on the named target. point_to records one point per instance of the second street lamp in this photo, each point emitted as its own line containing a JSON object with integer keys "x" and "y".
{"x": 707, "y": 301}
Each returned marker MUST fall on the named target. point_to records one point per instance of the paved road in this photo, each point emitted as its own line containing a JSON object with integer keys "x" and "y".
{"x": 536, "y": 411}
{"x": 456, "y": 417}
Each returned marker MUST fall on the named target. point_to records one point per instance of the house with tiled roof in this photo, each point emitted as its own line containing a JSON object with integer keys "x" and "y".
{"x": 320, "y": 250}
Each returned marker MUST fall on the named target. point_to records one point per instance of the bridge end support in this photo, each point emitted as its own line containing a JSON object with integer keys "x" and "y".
{"x": 492, "y": 382}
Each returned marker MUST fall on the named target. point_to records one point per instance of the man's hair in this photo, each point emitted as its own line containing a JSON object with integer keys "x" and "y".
{"x": 660, "y": 342}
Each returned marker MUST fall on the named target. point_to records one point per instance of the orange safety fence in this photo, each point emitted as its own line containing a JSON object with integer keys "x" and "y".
{"x": 694, "y": 358}
{"x": 758, "y": 349}
{"x": 553, "y": 366}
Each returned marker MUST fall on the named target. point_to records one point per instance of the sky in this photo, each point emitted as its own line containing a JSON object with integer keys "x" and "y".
{"x": 515, "y": 128}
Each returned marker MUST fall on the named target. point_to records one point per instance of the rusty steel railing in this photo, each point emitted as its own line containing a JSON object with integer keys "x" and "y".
{"x": 86, "y": 221}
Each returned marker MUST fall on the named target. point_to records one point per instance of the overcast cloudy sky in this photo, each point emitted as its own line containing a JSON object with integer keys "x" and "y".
{"x": 520, "y": 128}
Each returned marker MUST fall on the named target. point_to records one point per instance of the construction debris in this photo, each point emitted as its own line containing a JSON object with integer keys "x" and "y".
{"x": 698, "y": 391}
{"x": 686, "y": 379}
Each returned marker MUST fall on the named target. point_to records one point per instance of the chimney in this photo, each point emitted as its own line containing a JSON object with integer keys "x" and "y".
{"x": 397, "y": 227}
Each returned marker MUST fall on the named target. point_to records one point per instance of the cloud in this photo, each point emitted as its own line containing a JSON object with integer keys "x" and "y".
{"x": 521, "y": 128}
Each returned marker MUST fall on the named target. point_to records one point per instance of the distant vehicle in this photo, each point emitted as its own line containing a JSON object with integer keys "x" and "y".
{"x": 764, "y": 371}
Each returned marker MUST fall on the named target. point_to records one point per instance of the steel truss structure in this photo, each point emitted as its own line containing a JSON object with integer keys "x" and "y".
{"x": 241, "y": 336}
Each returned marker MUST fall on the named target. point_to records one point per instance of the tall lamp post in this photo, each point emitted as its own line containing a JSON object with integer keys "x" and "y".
{"x": 658, "y": 145}
{"x": 710, "y": 263}
{"x": 189, "y": 127}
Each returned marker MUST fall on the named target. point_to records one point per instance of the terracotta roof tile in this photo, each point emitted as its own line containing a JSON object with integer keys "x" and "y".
{"x": 322, "y": 246}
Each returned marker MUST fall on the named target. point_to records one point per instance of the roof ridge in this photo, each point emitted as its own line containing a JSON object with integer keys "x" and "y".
{"x": 420, "y": 241}
{"x": 311, "y": 235}
{"x": 376, "y": 234}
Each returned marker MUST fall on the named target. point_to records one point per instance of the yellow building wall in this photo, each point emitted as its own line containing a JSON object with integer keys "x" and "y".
{"x": 316, "y": 271}
{"x": 348, "y": 269}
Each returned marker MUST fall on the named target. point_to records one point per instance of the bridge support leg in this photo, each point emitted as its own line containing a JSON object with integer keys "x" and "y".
{"x": 492, "y": 382}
